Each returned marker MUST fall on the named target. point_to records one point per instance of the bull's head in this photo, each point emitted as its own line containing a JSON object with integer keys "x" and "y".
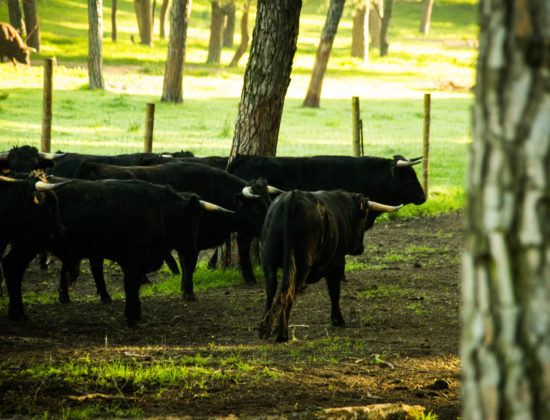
{"x": 26, "y": 159}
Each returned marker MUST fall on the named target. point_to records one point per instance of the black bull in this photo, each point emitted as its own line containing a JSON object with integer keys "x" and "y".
{"x": 134, "y": 223}
{"x": 388, "y": 181}
{"x": 308, "y": 235}
{"x": 249, "y": 201}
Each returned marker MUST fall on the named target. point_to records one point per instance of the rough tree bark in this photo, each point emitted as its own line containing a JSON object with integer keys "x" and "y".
{"x": 267, "y": 77}
{"x": 243, "y": 45}
{"x": 172, "y": 89}
{"x": 313, "y": 95}
{"x": 32, "y": 24}
{"x": 375, "y": 21}
{"x": 216, "y": 34}
{"x": 144, "y": 15}
{"x": 426, "y": 17}
{"x": 506, "y": 268}
{"x": 162, "y": 18}
{"x": 95, "y": 44}
{"x": 229, "y": 12}
{"x": 114, "y": 31}
{"x": 16, "y": 17}
{"x": 360, "y": 30}
{"x": 385, "y": 25}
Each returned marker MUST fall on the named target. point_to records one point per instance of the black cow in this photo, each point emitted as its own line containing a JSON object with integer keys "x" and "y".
{"x": 29, "y": 212}
{"x": 133, "y": 223}
{"x": 249, "y": 201}
{"x": 308, "y": 235}
{"x": 26, "y": 159}
{"x": 390, "y": 181}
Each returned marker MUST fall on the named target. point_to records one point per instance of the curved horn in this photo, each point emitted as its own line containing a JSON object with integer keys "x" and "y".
{"x": 166, "y": 155}
{"x": 51, "y": 156}
{"x": 44, "y": 186}
{"x": 416, "y": 158}
{"x": 373, "y": 205}
{"x": 402, "y": 163}
{"x": 274, "y": 190}
{"x": 7, "y": 179}
{"x": 247, "y": 192}
{"x": 213, "y": 207}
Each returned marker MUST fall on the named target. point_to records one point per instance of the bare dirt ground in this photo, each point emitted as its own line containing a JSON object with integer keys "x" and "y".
{"x": 400, "y": 301}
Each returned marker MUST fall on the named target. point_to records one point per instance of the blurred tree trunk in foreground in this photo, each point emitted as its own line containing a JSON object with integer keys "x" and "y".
{"x": 313, "y": 95}
{"x": 172, "y": 89}
{"x": 506, "y": 272}
{"x": 267, "y": 77}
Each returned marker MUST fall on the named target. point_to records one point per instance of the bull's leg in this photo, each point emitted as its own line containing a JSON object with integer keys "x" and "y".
{"x": 243, "y": 242}
{"x": 270, "y": 274}
{"x": 188, "y": 261}
{"x": 171, "y": 263}
{"x": 287, "y": 299}
{"x": 96, "y": 265}
{"x": 15, "y": 264}
{"x": 213, "y": 261}
{"x": 333, "y": 285}
{"x": 132, "y": 282}
{"x": 63, "y": 288}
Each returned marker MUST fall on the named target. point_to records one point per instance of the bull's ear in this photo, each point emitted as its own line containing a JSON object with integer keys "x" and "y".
{"x": 39, "y": 197}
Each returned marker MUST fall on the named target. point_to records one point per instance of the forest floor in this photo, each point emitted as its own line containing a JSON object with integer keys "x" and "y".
{"x": 401, "y": 343}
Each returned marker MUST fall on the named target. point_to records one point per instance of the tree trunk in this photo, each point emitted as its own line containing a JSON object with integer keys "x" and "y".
{"x": 95, "y": 44}
{"x": 216, "y": 33}
{"x": 384, "y": 43}
{"x": 32, "y": 24}
{"x": 375, "y": 21}
{"x": 244, "y": 36}
{"x": 506, "y": 266}
{"x": 360, "y": 31}
{"x": 162, "y": 18}
{"x": 229, "y": 12}
{"x": 114, "y": 32}
{"x": 144, "y": 15}
{"x": 313, "y": 95}
{"x": 426, "y": 17}
{"x": 172, "y": 89}
{"x": 16, "y": 17}
{"x": 267, "y": 77}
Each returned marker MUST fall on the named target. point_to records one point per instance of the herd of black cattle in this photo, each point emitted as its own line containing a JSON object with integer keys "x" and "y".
{"x": 135, "y": 209}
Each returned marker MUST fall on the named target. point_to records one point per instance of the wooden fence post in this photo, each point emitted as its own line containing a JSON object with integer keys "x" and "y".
{"x": 356, "y": 125}
{"x": 149, "y": 124}
{"x": 426, "y": 144}
{"x": 46, "y": 140}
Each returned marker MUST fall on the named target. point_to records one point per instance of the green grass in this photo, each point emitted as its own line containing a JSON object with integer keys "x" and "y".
{"x": 391, "y": 91}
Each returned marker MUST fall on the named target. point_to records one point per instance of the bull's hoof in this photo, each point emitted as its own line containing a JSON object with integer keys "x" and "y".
{"x": 250, "y": 282}
{"x": 17, "y": 315}
{"x": 106, "y": 299}
{"x": 211, "y": 265}
{"x": 189, "y": 297}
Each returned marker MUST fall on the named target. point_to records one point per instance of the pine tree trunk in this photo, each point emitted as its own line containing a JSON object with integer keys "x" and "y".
{"x": 32, "y": 24}
{"x": 426, "y": 17}
{"x": 375, "y": 21}
{"x": 172, "y": 89}
{"x": 506, "y": 270}
{"x": 313, "y": 95}
{"x": 216, "y": 34}
{"x": 144, "y": 15}
{"x": 360, "y": 31}
{"x": 95, "y": 44}
{"x": 267, "y": 77}
{"x": 384, "y": 27}
{"x": 16, "y": 17}
{"x": 243, "y": 45}
{"x": 229, "y": 12}
{"x": 162, "y": 18}
{"x": 114, "y": 31}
